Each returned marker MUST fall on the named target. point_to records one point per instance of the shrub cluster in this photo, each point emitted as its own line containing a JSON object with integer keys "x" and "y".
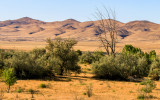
{"x": 29, "y": 64}
{"x": 121, "y": 67}
{"x": 57, "y": 58}
{"x": 132, "y": 62}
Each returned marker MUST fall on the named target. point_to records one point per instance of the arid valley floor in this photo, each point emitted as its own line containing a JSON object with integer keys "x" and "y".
{"x": 75, "y": 88}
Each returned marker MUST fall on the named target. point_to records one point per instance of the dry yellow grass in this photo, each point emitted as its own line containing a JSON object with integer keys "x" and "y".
{"x": 82, "y": 45}
{"x": 76, "y": 88}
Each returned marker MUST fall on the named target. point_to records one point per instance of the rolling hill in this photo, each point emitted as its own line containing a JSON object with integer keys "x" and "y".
{"x": 28, "y": 29}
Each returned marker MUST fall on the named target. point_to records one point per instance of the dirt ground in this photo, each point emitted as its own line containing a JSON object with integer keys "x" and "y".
{"x": 75, "y": 88}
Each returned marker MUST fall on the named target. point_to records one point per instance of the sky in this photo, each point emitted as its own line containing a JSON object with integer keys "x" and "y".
{"x": 81, "y": 10}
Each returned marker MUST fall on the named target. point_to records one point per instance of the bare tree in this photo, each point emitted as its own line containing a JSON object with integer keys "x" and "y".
{"x": 107, "y": 30}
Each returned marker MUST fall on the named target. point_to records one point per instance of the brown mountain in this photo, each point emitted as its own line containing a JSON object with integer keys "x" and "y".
{"x": 28, "y": 29}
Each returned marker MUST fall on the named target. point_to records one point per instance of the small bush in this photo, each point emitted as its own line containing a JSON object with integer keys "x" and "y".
{"x": 149, "y": 82}
{"x": 130, "y": 91}
{"x": 147, "y": 90}
{"x": 31, "y": 91}
{"x": 43, "y": 86}
{"x": 149, "y": 86}
{"x": 19, "y": 90}
{"x": 141, "y": 96}
{"x": 84, "y": 93}
{"x": 83, "y": 83}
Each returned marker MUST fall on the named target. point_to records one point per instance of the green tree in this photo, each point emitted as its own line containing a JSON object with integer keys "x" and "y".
{"x": 65, "y": 58}
{"x": 129, "y": 49}
{"x": 9, "y": 77}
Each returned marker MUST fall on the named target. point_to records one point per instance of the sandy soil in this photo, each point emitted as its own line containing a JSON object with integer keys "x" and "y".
{"x": 76, "y": 89}
{"x": 83, "y": 45}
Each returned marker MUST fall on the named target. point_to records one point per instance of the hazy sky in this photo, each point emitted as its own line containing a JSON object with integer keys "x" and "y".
{"x": 81, "y": 10}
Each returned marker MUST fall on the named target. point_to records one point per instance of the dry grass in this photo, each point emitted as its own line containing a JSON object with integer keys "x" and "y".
{"x": 76, "y": 89}
{"x": 82, "y": 45}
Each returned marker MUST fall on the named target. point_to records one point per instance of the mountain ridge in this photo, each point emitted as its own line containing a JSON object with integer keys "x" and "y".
{"x": 28, "y": 29}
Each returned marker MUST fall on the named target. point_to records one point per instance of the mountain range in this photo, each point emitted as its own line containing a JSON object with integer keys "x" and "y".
{"x": 28, "y": 29}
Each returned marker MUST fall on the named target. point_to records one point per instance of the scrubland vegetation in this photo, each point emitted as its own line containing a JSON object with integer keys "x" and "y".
{"x": 59, "y": 59}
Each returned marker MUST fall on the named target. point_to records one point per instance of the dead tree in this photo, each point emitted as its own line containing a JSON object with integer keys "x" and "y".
{"x": 107, "y": 30}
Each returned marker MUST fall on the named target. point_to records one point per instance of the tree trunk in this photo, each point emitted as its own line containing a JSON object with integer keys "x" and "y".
{"x": 8, "y": 88}
{"x": 61, "y": 70}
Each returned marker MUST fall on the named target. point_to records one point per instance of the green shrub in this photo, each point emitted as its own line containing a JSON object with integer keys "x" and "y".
{"x": 146, "y": 89}
{"x": 130, "y": 91}
{"x": 155, "y": 70}
{"x": 121, "y": 67}
{"x": 26, "y": 66}
{"x": 148, "y": 83}
{"x": 38, "y": 53}
{"x": 57, "y": 58}
{"x": 88, "y": 57}
{"x": 79, "y": 52}
{"x": 129, "y": 49}
{"x": 1, "y": 63}
{"x": 19, "y": 90}
{"x": 141, "y": 96}
{"x": 9, "y": 77}
{"x": 31, "y": 91}
{"x": 43, "y": 86}
{"x": 152, "y": 55}
{"x": 5, "y": 54}
{"x": 84, "y": 93}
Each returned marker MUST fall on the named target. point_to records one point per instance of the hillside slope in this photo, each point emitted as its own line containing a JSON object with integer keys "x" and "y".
{"x": 28, "y": 29}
